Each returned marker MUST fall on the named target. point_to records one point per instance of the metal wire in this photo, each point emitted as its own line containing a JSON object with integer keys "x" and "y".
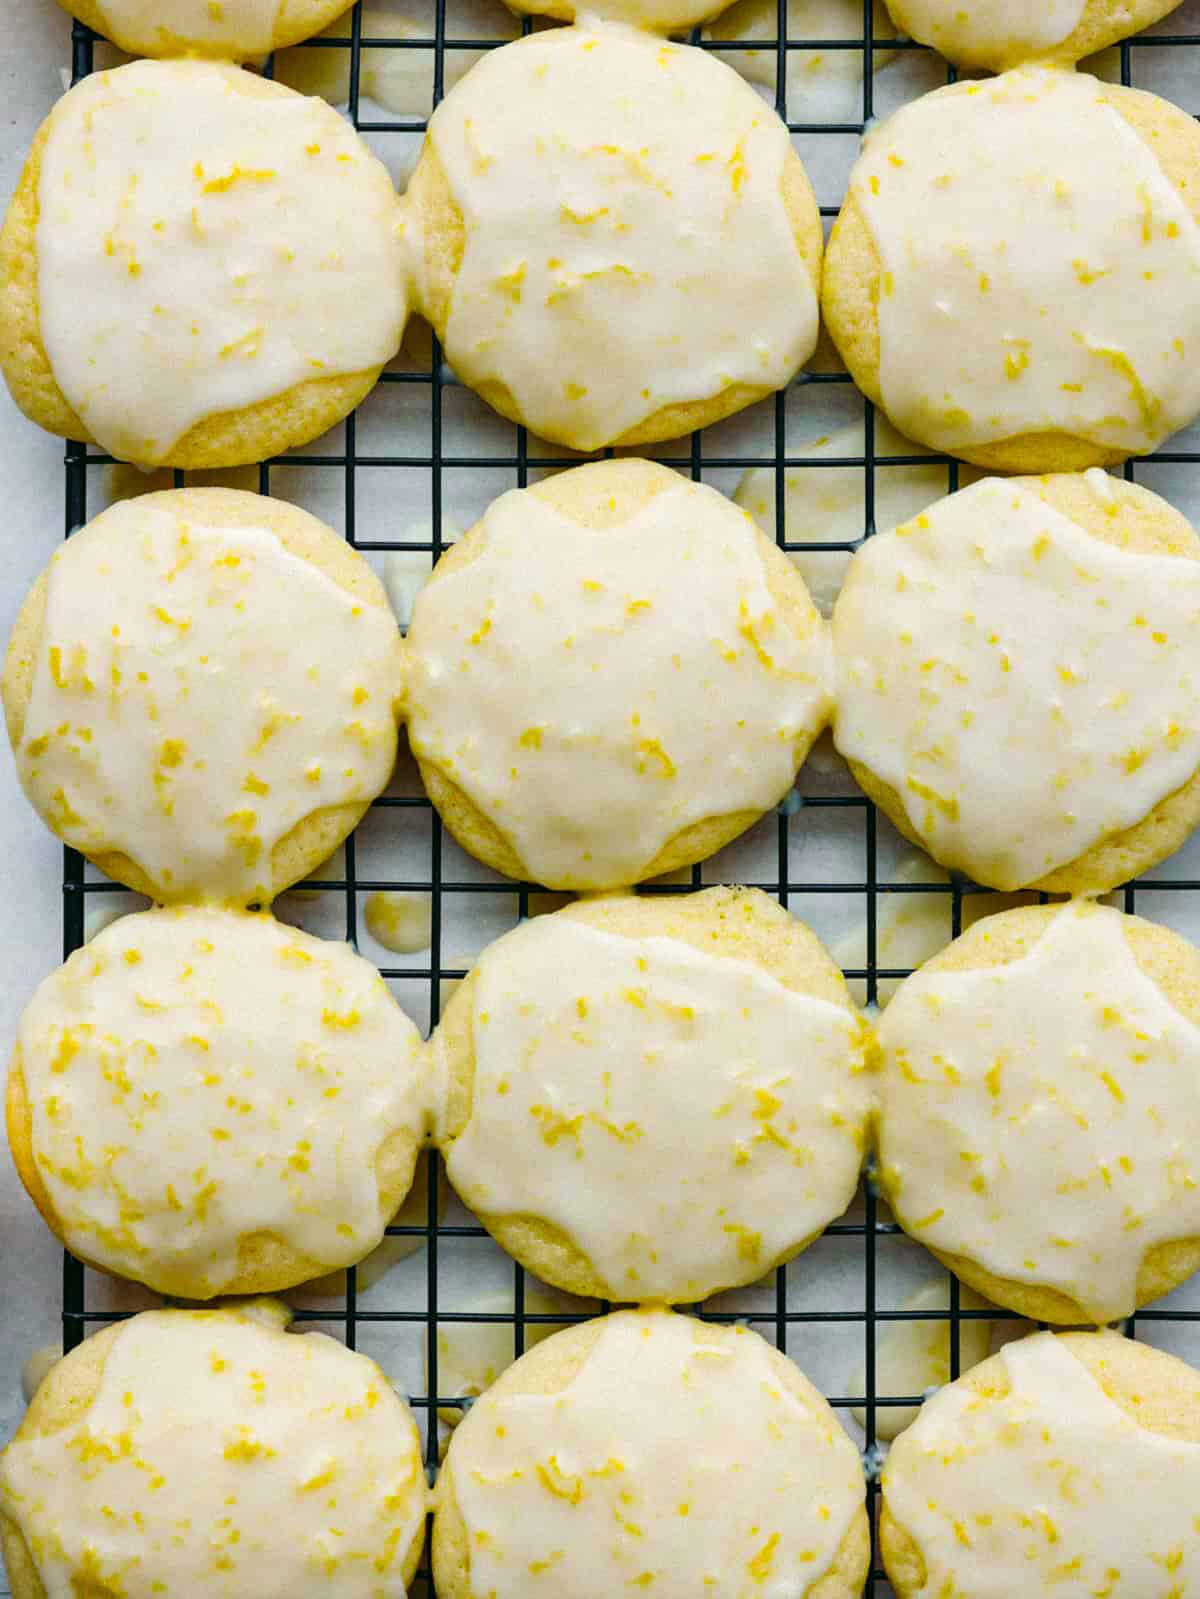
{"x": 868, "y": 1315}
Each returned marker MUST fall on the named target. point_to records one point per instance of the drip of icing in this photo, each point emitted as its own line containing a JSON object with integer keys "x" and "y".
{"x": 1041, "y": 1118}
{"x": 221, "y": 1456}
{"x": 1026, "y": 689}
{"x": 235, "y": 233}
{"x": 593, "y": 1049}
{"x": 992, "y": 28}
{"x": 400, "y": 922}
{"x": 641, "y": 255}
{"x": 171, "y": 716}
{"x": 1021, "y": 224}
{"x": 200, "y": 1076}
{"x": 597, "y": 693}
{"x": 1049, "y": 1487}
{"x": 665, "y": 1463}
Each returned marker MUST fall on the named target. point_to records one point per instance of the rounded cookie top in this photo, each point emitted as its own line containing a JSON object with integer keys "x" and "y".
{"x": 611, "y": 675}
{"x": 606, "y": 1457}
{"x": 225, "y": 29}
{"x": 1019, "y": 679}
{"x": 212, "y": 1102}
{"x": 212, "y": 1452}
{"x": 656, "y": 16}
{"x": 164, "y": 721}
{"x": 988, "y": 274}
{"x": 998, "y": 34}
{"x": 230, "y": 239}
{"x": 708, "y": 1040}
{"x": 1040, "y": 1110}
{"x": 619, "y": 243}
{"x": 1066, "y": 1464}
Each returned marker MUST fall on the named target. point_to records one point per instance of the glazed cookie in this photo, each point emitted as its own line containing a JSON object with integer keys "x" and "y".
{"x": 616, "y": 241}
{"x": 211, "y": 1102}
{"x": 707, "y": 1039}
{"x": 655, "y": 16}
{"x": 225, "y": 29}
{"x": 1018, "y": 680}
{"x": 212, "y": 1452}
{"x": 610, "y": 676}
{"x": 997, "y": 34}
{"x": 199, "y": 267}
{"x": 1067, "y": 1464}
{"x": 606, "y": 1456}
{"x": 164, "y": 721}
{"x": 988, "y": 277}
{"x": 1040, "y": 1110}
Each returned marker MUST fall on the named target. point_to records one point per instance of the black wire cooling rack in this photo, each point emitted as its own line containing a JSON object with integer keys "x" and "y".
{"x": 867, "y": 1231}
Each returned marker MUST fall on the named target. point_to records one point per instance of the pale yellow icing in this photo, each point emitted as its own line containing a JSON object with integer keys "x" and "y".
{"x": 198, "y": 1076}
{"x": 627, "y": 246}
{"x": 597, "y": 692}
{"x": 244, "y": 27}
{"x": 172, "y": 716}
{"x": 227, "y": 247}
{"x": 1041, "y": 1118}
{"x": 1009, "y": 29}
{"x": 400, "y": 922}
{"x": 600, "y": 1057}
{"x": 1050, "y": 1488}
{"x": 1026, "y": 689}
{"x": 1023, "y": 227}
{"x": 223, "y": 1456}
{"x": 665, "y": 1464}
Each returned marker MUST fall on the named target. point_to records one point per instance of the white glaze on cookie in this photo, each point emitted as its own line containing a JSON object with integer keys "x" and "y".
{"x": 627, "y": 244}
{"x": 227, "y": 246}
{"x": 1049, "y": 1488}
{"x": 1041, "y": 1118}
{"x": 991, "y": 28}
{"x": 1026, "y": 689}
{"x": 1022, "y": 227}
{"x": 665, "y": 1464}
{"x": 172, "y": 716}
{"x": 598, "y": 1055}
{"x": 199, "y": 1076}
{"x": 223, "y": 1457}
{"x": 596, "y": 692}
{"x": 218, "y": 26}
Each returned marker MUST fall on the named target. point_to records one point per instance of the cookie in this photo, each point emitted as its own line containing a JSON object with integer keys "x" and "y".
{"x": 1040, "y": 1110}
{"x": 998, "y": 34}
{"x": 162, "y": 718}
{"x": 603, "y": 1461}
{"x": 1066, "y": 1464}
{"x": 610, "y": 676}
{"x": 211, "y": 1102}
{"x": 229, "y": 30}
{"x": 655, "y": 16}
{"x": 706, "y": 1039}
{"x": 1018, "y": 672}
{"x": 987, "y": 280}
{"x": 199, "y": 267}
{"x": 212, "y": 1452}
{"x": 614, "y": 239}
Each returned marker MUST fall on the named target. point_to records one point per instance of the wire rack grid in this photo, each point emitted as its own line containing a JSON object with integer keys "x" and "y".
{"x": 863, "y": 1314}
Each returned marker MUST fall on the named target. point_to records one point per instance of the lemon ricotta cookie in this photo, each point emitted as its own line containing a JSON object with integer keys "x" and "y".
{"x": 614, "y": 239}
{"x": 215, "y": 1453}
{"x": 225, "y": 29}
{"x": 646, "y": 1450}
{"x": 211, "y": 1102}
{"x": 611, "y": 675}
{"x": 987, "y": 279}
{"x": 1018, "y": 680}
{"x": 998, "y": 34}
{"x": 164, "y": 721}
{"x": 654, "y": 1099}
{"x": 1040, "y": 1110}
{"x": 655, "y": 16}
{"x": 1069, "y": 1463}
{"x": 199, "y": 267}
